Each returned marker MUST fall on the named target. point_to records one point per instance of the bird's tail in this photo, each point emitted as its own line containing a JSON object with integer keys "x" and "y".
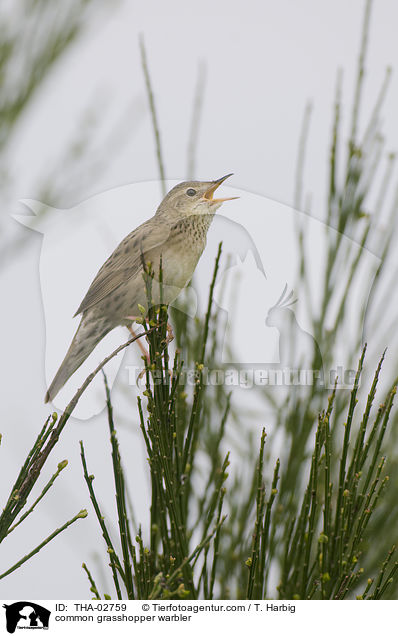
{"x": 87, "y": 336}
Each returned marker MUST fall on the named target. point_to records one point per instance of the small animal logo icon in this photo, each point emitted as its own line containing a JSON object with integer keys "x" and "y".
{"x": 26, "y": 615}
{"x": 297, "y": 348}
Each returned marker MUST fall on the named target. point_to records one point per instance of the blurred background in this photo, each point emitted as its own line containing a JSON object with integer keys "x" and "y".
{"x": 233, "y": 83}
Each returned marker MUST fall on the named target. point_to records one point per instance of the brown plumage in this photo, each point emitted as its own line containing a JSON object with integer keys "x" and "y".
{"x": 176, "y": 234}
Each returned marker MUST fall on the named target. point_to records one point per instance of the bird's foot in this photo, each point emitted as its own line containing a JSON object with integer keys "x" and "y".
{"x": 141, "y": 346}
{"x": 170, "y": 334}
{"x": 141, "y": 374}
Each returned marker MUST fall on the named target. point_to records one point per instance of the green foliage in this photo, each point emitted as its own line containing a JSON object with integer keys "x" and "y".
{"x": 232, "y": 513}
{"x": 316, "y": 553}
{"x": 164, "y": 565}
{"x": 24, "y": 484}
{"x": 33, "y": 465}
{"x": 323, "y": 549}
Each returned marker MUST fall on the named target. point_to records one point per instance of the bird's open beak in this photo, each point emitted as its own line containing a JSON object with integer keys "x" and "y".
{"x": 208, "y": 195}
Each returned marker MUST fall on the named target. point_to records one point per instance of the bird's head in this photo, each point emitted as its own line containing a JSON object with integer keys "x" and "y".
{"x": 193, "y": 197}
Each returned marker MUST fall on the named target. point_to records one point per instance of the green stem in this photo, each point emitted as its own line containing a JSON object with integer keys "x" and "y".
{"x": 80, "y": 515}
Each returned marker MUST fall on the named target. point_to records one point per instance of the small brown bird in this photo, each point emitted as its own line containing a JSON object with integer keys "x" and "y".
{"x": 177, "y": 235}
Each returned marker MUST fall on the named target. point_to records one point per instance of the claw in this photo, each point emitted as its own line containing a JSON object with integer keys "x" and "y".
{"x": 170, "y": 334}
{"x": 141, "y": 346}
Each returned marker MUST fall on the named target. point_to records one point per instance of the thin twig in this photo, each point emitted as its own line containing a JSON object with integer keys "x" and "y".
{"x": 195, "y": 121}
{"x": 152, "y": 108}
{"x": 80, "y": 515}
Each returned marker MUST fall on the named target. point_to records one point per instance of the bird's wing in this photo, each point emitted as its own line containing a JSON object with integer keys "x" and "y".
{"x": 126, "y": 261}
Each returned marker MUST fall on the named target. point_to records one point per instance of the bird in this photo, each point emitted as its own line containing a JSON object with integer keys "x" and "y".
{"x": 175, "y": 237}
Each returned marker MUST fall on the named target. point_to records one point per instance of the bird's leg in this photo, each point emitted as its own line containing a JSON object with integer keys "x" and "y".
{"x": 170, "y": 334}
{"x": 169, "y": 338}
{"x": 141, "y": 346}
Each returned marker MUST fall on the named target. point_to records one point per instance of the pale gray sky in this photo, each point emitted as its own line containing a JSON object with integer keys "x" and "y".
{"x": 264, "y": 60}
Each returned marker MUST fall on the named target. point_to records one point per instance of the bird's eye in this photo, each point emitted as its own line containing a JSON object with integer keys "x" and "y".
{"x": 191, "y": 192}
